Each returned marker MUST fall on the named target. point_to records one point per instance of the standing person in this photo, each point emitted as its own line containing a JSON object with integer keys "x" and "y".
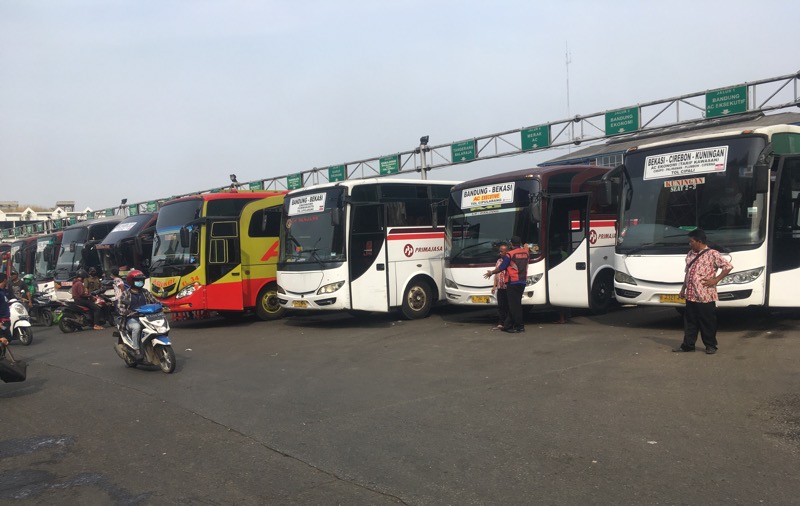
{"x": 515, "y": 265}
{"x": 132, "y": 299}
{"x": 700, "y": 291}
{"x": 499, "y": 289}
{"x": 81, "y": 295}
{"x": 5, "y": 311}
{"x": 119, "y": 287}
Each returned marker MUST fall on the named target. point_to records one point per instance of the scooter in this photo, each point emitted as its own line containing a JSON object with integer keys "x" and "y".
{"x": 20, "y": 322}
{"x": 73, "y": 316}
{"x": 156, "y": 348}
{"x": 42, "y": 308}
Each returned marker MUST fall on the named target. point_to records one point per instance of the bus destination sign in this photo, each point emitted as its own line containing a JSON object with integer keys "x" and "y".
{"x": 314, "y": 203}
{"x": 684, "y": 163}
{"x": 481, "y": 196}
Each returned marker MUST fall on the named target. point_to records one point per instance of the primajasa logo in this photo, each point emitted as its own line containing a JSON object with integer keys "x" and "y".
{"x": 409, "y": 250}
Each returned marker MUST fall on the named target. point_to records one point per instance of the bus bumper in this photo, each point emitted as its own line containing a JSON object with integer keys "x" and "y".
{"x": 663, "y": 294}
{"x": 327, "y": 302}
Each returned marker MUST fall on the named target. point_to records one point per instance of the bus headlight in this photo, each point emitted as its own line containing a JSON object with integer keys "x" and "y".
{"x": 621, "y": 277}
{"x": 532, "y": 280}
{"x": 187, "y": 291}
{"x": 281, "y": 290}
{"x": 330, "y": 288}
{"x": 739, "y": 278}
{"x": 449, "y": 283}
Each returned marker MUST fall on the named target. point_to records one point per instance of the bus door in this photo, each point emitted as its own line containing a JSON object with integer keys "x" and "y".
{"x": 368, "y": 258}
{"x": 784, "y": 264}
{"x": 223, "y": 266}
{"x": 568, "y": 251}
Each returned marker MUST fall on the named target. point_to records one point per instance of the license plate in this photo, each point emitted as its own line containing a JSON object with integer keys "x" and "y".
{"x": 672, "y": 299}
{"x": 300, "y": 303}
{"x": 481, "y": 299}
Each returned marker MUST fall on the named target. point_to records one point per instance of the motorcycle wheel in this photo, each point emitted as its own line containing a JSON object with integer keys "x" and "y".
{"x": 25, "y": 335}
{"x": 66, "y": 326}
{"x": 166, "y": 358}
{"x": 47, "y": 317}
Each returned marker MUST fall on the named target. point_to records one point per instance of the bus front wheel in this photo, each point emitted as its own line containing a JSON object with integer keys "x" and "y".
{"x": 602, "y": 295}
{"x": 267, "y": 305}
{"x": 417, "y": 300}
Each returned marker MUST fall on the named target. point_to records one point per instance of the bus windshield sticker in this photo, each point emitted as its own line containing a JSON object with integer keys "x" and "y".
{"x": 314, "y": 203}
{"x": 679, "y": 185}
{"x": 482, "y": 196}
{"x": 124, "y": 227}
{"x": 685, "y": 163}
{"x": 41, "y": 246}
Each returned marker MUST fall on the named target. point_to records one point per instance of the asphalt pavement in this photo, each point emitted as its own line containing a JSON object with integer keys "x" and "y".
{"x": 336, "y": 409}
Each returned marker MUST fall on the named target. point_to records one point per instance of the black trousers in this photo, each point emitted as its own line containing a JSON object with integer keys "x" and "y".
{"x": 700, "y": 317}
{"x": 502, "y": 305}
{"x": 514, "y": 319}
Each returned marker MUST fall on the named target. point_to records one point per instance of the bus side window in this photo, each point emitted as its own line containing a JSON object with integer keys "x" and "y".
{"x": 218, "y": 253}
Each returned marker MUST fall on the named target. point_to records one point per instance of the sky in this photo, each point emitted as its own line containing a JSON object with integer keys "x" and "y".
{"x": 102, "y": 100}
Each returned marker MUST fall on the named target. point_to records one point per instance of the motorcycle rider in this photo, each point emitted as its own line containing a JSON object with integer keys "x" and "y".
{"x": 5, "y": 311}
{"x": 29, "y": 285}
{"x": 132, "y": 299}
{"x": 18, "y": 290}
{"x": 81, "y": 295}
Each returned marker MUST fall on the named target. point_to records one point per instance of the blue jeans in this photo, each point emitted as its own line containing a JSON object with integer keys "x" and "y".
{"x": 134, "y": 327}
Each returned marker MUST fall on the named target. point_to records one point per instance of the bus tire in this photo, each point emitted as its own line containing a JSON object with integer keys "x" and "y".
{"x": 267, "y": 305}
{"x": 602, "y": 293}
{"x": 417, "y": 299}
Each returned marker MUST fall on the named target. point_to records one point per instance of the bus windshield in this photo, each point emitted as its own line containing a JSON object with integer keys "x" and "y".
{"x": 45, "y": 258}
{"x": 169, "y": 256}
{"x": 313, "y": 230}
{"x": 71, "y": 250}
{"x": 706, "y": 184}
{"x": 474, "y": 233}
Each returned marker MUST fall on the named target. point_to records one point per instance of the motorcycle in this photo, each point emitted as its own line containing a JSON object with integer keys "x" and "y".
{"x": 156, "y": 348}
{"x": 73, "y": 316}
{"x": 20, "y": 322}
{"x": 42, "y": 308}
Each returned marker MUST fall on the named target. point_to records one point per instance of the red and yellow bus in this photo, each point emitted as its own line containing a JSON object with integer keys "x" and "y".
{"x": 217, "y": 252}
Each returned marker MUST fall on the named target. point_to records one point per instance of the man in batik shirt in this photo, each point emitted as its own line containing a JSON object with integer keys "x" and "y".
{"x": 705, "y": 268}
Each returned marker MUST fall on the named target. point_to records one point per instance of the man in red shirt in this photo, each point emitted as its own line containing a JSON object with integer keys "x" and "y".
{"x": 705, "y": 268}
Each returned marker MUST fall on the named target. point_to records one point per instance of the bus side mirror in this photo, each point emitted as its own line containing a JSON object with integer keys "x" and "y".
{"x": 336, "y": 216}
{"x": 183, "y": 234}
{"x": 535, "y": 209}
{"x": 607, "y": 195}
{"x": 72, "y": 247}
{"x": 761, "y": 175}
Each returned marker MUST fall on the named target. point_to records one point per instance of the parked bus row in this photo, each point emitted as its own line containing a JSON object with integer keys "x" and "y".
{"x": 595, "y": 235}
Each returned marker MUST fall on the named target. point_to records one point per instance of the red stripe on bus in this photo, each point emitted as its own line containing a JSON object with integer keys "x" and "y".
{"x": 595, "y": 223}
{"x": 408, "y": 237}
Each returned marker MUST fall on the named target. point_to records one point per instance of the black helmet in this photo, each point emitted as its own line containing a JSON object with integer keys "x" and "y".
{"x": 81, "y": 274}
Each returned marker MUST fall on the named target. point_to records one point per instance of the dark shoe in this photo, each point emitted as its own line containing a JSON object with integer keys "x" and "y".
{"x": 511, "y": 330}
{"x": 681, "y": 349}
{"x": 710, "y": 350}
{"x": 520, "y": 329}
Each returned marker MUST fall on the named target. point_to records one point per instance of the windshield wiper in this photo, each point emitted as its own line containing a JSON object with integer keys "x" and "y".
{"x": 469, "y": 247}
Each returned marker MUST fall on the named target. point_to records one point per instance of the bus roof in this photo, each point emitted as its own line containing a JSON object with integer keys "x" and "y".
{"x": 733, "y": 131}
{"x": 350, "y": 183}
{"x": 240, "y": 194}
{"x": 542, "y": 173}
{"x": 95, "y": 221}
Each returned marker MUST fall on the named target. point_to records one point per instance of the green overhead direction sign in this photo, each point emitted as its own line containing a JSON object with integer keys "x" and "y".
{"x": 537, "y": 137}
{"x": 389, "y": 165}
{"x": 133, "y": 210}
{"x": 463, "y": 151}
{"x": 622, "y": 121}
{"x": 294, "y": 181}
{"x": 152, "y": 206}
{"x": 727, "y": 101}
{"x": 336, "y": 173}
{"x": 256, "y": 185}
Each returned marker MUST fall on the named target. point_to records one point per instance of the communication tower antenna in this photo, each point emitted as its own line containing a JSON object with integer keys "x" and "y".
{"x": 568, "y": 60}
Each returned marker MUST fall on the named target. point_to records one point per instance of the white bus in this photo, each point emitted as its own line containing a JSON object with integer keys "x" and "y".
{"x": 364, "y": 245}
{"x": 740, "y": 185}
{"x": 555, "y": 210}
